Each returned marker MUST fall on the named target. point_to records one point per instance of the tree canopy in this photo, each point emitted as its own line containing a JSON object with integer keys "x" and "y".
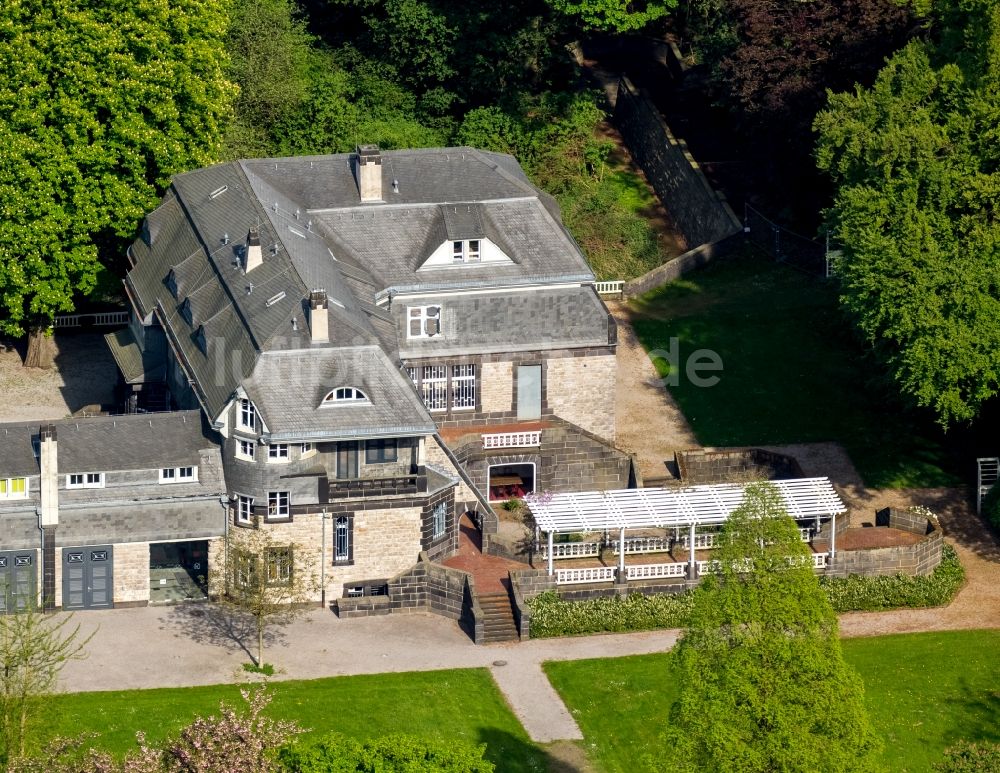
{"x": 916, "y": 162}
{"x": 764, "y": 685}
{"x": 102, "y": 102}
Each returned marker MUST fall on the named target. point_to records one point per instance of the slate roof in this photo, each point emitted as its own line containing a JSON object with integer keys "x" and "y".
{"x": 136, "y": 366}
{"x": 507, "y": 322}
{"x": 288, "y": 390}
{"x": 109, "y": 443}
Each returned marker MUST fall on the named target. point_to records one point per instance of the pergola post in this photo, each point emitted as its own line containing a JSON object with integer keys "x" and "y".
{"x": 621, "y": 555}
{"x": 833, "y": 537}
{"x": 692, "y": 566}
{"x": 551, "y": 570}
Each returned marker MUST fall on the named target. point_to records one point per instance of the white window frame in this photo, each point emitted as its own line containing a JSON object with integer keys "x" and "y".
{"x": 346, "y": 395}
{"x": 87, "y": 480}
{"x": 277, "y": 453}
{"x": 306, "y": 450}
{"x": 467, "y": 251}
{"x": 246, "y": 415}
{"x": 434, "y": 387}
{"x": 185, "y": 474}
{"x": 279, "y": 505}
{"x": 489, "y": 476}
{"x": 463, "y": 387}
{"x": 244, "y": 509}
{"x": 440, "y": 519}
{"x": 423, "y": 316}
{"x": 8, "y": 485}
{"x": 342, "y": 539}
{"x": 242, "y": 453}
{"x": 279, "y": 572}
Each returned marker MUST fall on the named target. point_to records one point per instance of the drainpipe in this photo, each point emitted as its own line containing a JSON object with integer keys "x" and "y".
{"x": 322, "y": 561}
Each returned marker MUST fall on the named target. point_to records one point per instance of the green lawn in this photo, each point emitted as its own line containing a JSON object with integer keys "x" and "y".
{"x": 461, "y": 704}
{"x": 924, "y": 692}
{"x": 792, "y": 372}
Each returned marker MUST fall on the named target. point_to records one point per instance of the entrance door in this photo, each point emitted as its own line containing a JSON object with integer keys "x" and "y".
{"x": 88, "y": 575}
{"x": 18, "y": 580}
{"x": 529, "y": 391}
{"x": 347, "y": 460}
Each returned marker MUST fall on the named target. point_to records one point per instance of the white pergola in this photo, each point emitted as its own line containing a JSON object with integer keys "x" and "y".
{"x": 645, "y": 508}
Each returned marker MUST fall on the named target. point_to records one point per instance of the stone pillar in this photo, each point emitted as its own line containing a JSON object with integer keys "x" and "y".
{"x": 48, "y": 494}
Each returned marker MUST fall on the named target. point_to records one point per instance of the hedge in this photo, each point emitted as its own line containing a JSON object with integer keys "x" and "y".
{"x": 552, "y": 616}
{"x": 967, "y": 757}
{"x": 335, "y": 753}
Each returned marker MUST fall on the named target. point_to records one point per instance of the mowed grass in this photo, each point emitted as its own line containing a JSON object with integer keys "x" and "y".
{"x": 924, "y": 692}
{"x": 459, "y": 704}
{"x": 792, "y": 371}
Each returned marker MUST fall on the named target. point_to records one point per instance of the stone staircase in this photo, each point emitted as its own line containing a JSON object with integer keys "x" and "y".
{"x": 498, "y": 618}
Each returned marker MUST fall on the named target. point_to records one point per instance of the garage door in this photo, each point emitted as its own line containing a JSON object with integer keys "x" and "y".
{"x": 18, "y": 580}
{"x": 87, "y": 577}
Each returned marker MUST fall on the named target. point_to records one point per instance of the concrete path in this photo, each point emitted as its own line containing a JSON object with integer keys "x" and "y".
{"x": 199, "y": 644}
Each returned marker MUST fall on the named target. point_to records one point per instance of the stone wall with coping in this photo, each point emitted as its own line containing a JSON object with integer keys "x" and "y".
{"x": 675, "y": 268}
{"x": 919, "y": 559}
{"x": 735, "y": 465}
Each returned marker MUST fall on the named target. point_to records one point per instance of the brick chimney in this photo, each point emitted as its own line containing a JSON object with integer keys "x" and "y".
{"x": 254, "y": 256}
{"x": 48, "y": 462}
{"x": 369, "y": 172}
{"x": 319, "y": 321}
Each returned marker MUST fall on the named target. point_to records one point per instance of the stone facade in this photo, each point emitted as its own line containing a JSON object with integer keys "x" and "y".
{"x": 581, "y": 391}
{"x": 131, "y": 574}
{"x": 919, "y": 559}
{"x": 497, "y": 386}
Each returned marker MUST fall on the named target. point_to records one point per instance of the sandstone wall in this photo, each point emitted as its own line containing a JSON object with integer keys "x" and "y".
{"x": 581, "y": 390}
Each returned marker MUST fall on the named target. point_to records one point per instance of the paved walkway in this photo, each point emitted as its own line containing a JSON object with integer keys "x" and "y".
{"x": 490, "y": 573}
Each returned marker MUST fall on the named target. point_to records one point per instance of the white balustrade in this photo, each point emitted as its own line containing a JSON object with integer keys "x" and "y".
{"x": 513, "y": 439}
{"x": 588, "y": 574}
{"x": 705, "y": 541}
{"x": 609, "y": 288}
{"x": 571, "y": 550}
{"x": 650, "y": 571}
{"x": 708, "y": 567}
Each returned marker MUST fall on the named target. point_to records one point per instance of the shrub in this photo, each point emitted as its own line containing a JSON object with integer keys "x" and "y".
{"x": 991, "y": 507}
{"x": 967, "y": 757}
{"x": 552, "y": 616}
{"x": 389, "y": 754}
{"x": 871, "y": 594}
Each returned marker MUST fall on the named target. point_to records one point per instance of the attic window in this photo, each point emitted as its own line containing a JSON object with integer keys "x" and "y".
{"x": 423, "y": 321}
{"x": 172, "y": 282}
{"x": 187, "y": 312}
{"x": 343, "y": 395}
{"x": 201, "y": 339}
{"x": 467, "y": 251}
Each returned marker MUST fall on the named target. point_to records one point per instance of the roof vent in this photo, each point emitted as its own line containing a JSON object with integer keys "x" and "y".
{"x": 254, "y": 255}
{"x": 369, "y": 172}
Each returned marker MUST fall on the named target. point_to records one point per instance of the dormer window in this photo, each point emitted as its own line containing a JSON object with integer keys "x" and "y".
{"x": 345, "y": 395}
{"x": 187, "y": 312}
{"x": 467, "y": 251}
{"x": 423, "y": 321}
{"x": 247, "y": 417}
{"x": 201, "y": 339}
{"x": 172, "y": 283}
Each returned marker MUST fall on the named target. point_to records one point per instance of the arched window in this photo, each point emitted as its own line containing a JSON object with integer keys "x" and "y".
{"x": 345, "y": 395}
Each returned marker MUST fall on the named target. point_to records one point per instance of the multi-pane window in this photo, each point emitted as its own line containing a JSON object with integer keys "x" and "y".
{"x": 439, "y": 392}
{"x": 423, "y": 321}
{"x": 278, "y": 564}
{"x": 463, "y": 387}
{"x": 244, "y": 509}
{"x": 342, "y": 539}
{"x": 465, "y": 251}
{"x": 245, "y": 449}
{"x": 277, "y": 452}
{"x": 346, "y": 395}
{"x": 178, "y": 474}
{"x": 85, "y": 480}
{"x": 306, "y": 449}
{"x": 247, "y": 418}
{"x": 277, "y": 504}
{"x": 380, "y": 451}
{"x": 440, "y": 514}
{"x": 245, "y": 569}
{"x": 13, "y": 488}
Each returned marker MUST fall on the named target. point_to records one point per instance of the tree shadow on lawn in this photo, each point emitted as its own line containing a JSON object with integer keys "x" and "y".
{"x": 222, "y": 626}
{"x": 511, "y": 754}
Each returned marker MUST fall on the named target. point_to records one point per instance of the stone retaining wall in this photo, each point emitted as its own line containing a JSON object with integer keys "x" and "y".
{"x": 735, "y": 466}
{"x": 919, "y": 559}
{"x": 701, "y": 213}
{"x": 683, "y": 264}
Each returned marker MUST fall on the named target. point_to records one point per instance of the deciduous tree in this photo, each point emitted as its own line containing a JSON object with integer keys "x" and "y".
{"x": 764, "y": 685}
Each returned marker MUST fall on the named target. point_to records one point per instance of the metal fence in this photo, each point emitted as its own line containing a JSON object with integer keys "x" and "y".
{"x": 788, "y": 247}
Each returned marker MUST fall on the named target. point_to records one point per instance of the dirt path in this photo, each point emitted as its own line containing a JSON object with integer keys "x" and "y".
{"x": 650, "y": 424}
{"x": 84, "y": 374}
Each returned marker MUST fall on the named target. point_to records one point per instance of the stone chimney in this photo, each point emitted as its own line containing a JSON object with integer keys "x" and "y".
{"x": 254, "y": 256}
{"x": 48, "y": 462}
{"x": 319, "y": 321}
{"x": 369, "y": 172}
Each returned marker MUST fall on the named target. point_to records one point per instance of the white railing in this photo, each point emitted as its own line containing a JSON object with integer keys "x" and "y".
{"x": 643, "y": 571}
{"x": 701, "y": 541}
{"x": 708, "y": 567}
{"x": 635, "y": 545}
{"x": 106, "y": 318}
{"x": 571, "y": 550}
{"x": 513, "y": 439}
{"x": 609, "y": 288}
{"x": 590, "y": 574}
